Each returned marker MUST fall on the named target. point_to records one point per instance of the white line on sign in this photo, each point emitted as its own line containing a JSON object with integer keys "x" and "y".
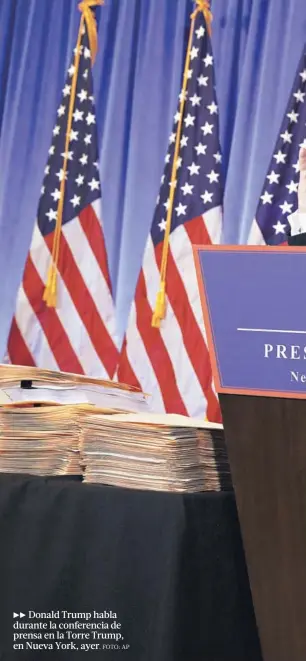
{"x": 271, "y": 330}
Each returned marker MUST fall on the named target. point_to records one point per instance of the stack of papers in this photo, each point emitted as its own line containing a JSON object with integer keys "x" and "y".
{"x": 214, "y": 457}
{"x": 29, "y": 384}
{"x": 152, "y": 452}
{"x": 52, "y": 423}
{"x": 39, "y": 440}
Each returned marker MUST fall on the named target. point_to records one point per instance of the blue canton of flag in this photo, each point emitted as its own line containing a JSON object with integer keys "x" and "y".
{"x": 82, "y": 177}
{"x": 198, "y": 185}
{"x": 279, "y": 194}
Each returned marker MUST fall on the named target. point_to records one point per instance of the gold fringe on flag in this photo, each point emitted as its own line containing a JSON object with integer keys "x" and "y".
{"x": 160, "y": 306}
{"x": 87, "y": 19}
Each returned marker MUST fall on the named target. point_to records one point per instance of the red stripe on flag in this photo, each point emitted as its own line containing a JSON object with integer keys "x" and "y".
{"x": 94, "y": 233}
{"x": 51, "y": 326}
{"x": 197, "y": 231}
{"x": 157, "y": 351}
{"x": 125, "y": 372}
{"x": 18, "y": 351}
{"x": 198, "y": 235}
{"x": 85, "y": 306}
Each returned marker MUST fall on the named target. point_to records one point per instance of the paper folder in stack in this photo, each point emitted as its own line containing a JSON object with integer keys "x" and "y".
{"x": 29, "y": 384}
{"x": 153, "y": 452}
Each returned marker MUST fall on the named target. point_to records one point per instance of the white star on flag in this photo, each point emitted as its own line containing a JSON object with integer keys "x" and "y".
{"x": 273, "y": 177}
{"x": 206, "y": 197}
{"x": 181, "y": 209}
{"x": 78, "y": 115}
{"x": 75, "y": 201}
{"x": 187, "y": 189}
{"x": 194, "y": 53}
{"x": 82, "y": 95}
{"x": 56, "y": 194}
{"x": 292, "y": 187}
{"x": 73, "y": 135}
{"x": 207, "y": 128}
{"x": 279, "y": 228}
{"x": 213, "y": 108}
{"x": 80, "y": 180}
{"x": 195, "y": 100}
{"x": 200, "y": 32}
{"x": 184, "y": 141}
{"x": 293, "y": 116}
{"x": 285, "y": 207}
{"x": 267, "y": 198}
{"x": 84, "y": 159}
{"x": 90, "y": 119}
{"x": 51, "y": 214}
{"x": 200, "y": 148}
{"x": 94, "y": 184}
{"x": 287, "y": 137}
{"x": 193, "y": 169}
{"x": 218, "y": 157}
{"x": 280, "y": 157}
{"x": 299, "y": 95}
{"x": 189, "y": 120}
{"x": 203, "y": 81}
{"x": 208, "y": 60}
{"x": 213, "y": 176}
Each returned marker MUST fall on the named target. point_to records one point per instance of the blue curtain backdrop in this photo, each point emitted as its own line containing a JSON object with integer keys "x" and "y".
{"x": 257, "y": 45}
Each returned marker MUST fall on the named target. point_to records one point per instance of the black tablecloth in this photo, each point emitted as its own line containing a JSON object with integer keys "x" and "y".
{"x": 170, "y": 567}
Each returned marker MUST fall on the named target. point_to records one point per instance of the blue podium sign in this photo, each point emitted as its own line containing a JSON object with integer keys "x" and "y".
{"x": 254, "y": 306}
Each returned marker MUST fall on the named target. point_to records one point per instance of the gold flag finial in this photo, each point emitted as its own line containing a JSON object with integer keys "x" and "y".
{"x": 204, "y": 6}
{"x": 85, "y": 8}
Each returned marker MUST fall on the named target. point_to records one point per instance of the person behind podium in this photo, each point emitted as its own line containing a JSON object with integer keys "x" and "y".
{"x": 297, "y": 220}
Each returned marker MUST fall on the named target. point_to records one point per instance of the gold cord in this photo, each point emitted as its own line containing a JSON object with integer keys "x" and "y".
{"x": 160, "y": 305}
{"x": 87, "y": 19}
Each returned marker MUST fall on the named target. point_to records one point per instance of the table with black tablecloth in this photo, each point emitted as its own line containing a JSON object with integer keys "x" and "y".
{"x": 170, "y": 566}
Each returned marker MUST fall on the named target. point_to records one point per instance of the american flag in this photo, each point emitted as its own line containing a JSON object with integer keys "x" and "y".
{"x": 172, "y": 363}
{"x": 279, "y": 195}
{"x": 79, "y": 335}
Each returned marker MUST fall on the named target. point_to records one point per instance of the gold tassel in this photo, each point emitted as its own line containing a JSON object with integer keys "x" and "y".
{"x": 160, "y": 306}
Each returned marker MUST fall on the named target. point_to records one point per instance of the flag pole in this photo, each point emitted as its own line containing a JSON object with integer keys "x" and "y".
{"x": 88, "y": 19}
{"x": 160, "y": 305}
